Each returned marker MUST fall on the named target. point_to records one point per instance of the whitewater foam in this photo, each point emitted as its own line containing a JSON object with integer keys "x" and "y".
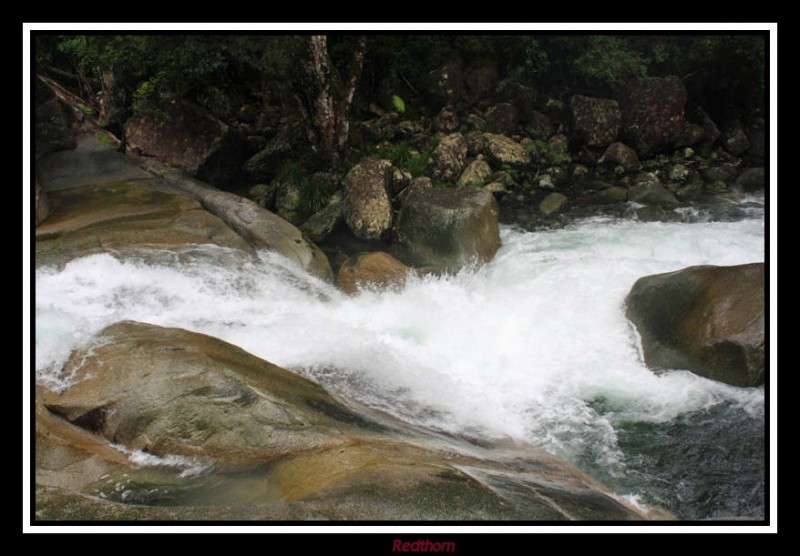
{"x": 533, "y": 346}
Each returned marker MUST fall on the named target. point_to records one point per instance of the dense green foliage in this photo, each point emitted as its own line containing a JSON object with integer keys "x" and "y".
{"x": 404, "y": 157}
{"x": 216, "y": 69}
{"x": 261, "y": 82}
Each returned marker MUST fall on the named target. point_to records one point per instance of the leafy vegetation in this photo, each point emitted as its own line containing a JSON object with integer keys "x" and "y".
{"x": 268, "y": 76}
{"x": 547, "y": 156}
{"x": 105, "y": 139}
{"x": 315, "y": 188}
{"x": 404, "y": 157}
{"x": 399, "y": 105}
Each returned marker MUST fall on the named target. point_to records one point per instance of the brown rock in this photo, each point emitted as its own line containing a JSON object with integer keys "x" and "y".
{"x": 623, "y": 155}
{"x": 367, "y": 207}
{"x": 477, "y": 174}
{"x": 614, "y": 194}
{"x": 647, "y": 189}
{"x": 303, "y": 453}
{"x": 706, "y": 319}
{"x": 118, "y": 216}
{"x": 502, "y": 118}
{"x": 595, "y": 121}
{"x": 653, "y": 114}
{"x": 376, "y": 270}
{"x": 447, "y": 120}
{"x": 504, "y": 150}
{"x": 692, "y": 134}
{"x": 448, "y": 227}
{"x": 258, "y": 226}
{"x": 475, "y": 142}
{"x": 448, "y": 159}
{"x": 190, "y": 138}
{"x": 552, "y": 203}
{"x": 170, "y": 391}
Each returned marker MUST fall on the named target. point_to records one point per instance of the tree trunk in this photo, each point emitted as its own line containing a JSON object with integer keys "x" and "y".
{"x": 330, "y": 96}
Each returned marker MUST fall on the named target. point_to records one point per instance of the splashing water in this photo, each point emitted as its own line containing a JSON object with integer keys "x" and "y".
{"x": 533, "y": 346}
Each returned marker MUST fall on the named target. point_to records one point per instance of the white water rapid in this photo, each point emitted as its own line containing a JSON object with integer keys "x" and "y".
{"x": 524, "y": 347}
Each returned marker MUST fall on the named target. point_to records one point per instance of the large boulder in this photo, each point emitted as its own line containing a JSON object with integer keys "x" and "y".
{"x": 163, "y": 423}
{"x": 706, "y": 319}
{"x": 125, "y": 215}
{"x": 448, "y": 228}
{"x": 692, "y": 134}
{"x": 207, "y": 398}
{"x": 475, "y": 142}
{"x": 376, "y": 270}
{"x": 366, "y": 205}
{"x": 653, "y": 114}
{"x": 595, "y": 121}
{"x": 613, "y": 194}
{"x": 258, "y": 226}
{"x": 188, "y": 137}
{"x": 504, "y": 151}
{"x": 448, "y": 158}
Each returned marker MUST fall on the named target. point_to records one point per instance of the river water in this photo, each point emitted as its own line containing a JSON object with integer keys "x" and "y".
{"x": 533, "y": 346}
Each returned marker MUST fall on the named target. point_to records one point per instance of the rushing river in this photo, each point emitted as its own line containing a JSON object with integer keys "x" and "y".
{"x": 534, "y": 346}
